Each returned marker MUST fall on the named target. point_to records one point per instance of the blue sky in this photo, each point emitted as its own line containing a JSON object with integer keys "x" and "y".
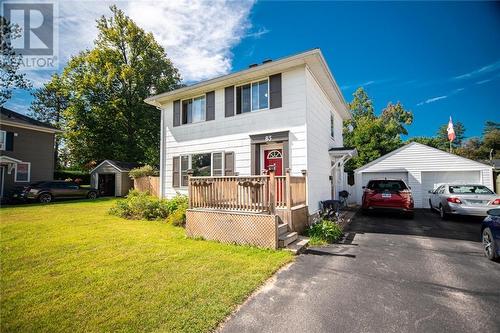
{"x": 438, "y": 59}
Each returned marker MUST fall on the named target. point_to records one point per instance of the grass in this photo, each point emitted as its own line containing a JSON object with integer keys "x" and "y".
{"x": 70, "y": 266}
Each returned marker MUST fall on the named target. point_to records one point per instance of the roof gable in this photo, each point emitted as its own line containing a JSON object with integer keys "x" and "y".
{"x": 18, "y": 118}
{"x": 419, "y": 156}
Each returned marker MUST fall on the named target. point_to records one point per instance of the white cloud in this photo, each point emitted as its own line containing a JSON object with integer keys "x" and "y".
{"x": 477, "y": 72}
{"x": 432, "y": 100}
{"x": 197, "y": 35}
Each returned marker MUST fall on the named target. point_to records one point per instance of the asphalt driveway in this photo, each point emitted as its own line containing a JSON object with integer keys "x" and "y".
{"x": 390, "y": 275}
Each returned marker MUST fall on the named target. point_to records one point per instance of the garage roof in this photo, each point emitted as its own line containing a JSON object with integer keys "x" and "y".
{"x": 419, "y": 156}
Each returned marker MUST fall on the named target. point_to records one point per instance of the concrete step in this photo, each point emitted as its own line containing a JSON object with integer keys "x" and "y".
{"x": 287, "y": 238}
{"x": 282, "y": 228}
{"x": 299, "y": 245}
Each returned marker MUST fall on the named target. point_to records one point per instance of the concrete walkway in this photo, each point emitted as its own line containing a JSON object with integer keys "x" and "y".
{"x": 393, "y": 275}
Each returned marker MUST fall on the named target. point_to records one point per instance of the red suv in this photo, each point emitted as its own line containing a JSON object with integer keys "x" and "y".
{"x": 387, "y": 194}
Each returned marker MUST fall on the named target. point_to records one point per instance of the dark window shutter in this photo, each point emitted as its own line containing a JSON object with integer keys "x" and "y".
{"x": 275, "y": 91}
{"x": 9, "y": 141}
{"x": 229, "y": 163}
{"x": 175, "y": 171}
{"x": 177, "y": 113}
{"x": 210, "y": 106}
{"x": 229, "y": 101}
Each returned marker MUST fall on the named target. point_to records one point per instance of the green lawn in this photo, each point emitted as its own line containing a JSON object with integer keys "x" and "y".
{"x": 72, "y": 267}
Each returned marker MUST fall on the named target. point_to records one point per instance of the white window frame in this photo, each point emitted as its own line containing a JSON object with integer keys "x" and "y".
{"x": 250, "y": 83}
{"x": 190, "y": 164}
{"x": 192, "y": 99}
{"x": 223, "y": 163}
{"x": 3, "y": 134}
{"x": 29, "y": 174}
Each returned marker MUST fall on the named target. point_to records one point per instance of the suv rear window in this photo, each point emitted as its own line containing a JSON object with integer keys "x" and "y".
{"x": 387, "y": 185}
{"x": 470, "y": 189}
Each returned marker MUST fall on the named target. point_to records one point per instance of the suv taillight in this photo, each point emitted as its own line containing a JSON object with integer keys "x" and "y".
{"x": 454, "y": 200}
{"x": 496, "y": 202}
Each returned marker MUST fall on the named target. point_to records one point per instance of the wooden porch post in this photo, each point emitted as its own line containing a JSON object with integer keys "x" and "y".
{"x": 272, "y": 189}
{"x": 304, "y": 173}
{"x": 189, "y": 174}
{"x": 288, "y": 189}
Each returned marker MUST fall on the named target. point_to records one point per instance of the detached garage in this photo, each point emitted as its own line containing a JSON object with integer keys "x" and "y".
{"x": 111, "y": 178}
{"x": 422, "y": 168}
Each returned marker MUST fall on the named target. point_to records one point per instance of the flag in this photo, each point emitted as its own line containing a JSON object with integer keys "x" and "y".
{"x": 451, "y": 131}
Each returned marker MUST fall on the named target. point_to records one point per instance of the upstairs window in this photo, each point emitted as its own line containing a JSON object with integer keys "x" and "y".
{"x": 3, "y": 140}
{"x": 252, "y": 96}
{"x": 193, "y": 110}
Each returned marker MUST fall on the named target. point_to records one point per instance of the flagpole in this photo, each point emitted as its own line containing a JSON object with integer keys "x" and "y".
{"x": 450, "y": 147}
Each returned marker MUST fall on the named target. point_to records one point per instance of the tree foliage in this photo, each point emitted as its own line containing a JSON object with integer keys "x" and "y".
{"x": 106, "y": 116}
{"x": 374, "y": 135}
{"x": 49, "y": 105}
{"x": 10, "y": 61}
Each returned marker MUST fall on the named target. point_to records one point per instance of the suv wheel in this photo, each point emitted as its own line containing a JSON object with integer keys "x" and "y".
{"x": 92, "y": 195}
{"x": 489, "y": 247}
{"x": 45, "y": 198}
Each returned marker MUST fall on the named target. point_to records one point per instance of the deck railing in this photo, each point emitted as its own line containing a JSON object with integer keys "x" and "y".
{"x": 263, "y": 193}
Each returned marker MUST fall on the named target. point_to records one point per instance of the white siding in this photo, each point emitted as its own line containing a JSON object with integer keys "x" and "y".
{"x": 416, "y": 158}
{"x": 233, "y": 133}
{"x": 319, "y": 141}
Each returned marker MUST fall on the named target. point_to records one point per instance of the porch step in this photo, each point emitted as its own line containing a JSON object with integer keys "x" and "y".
{"x": 287, "y": 238}
{"x": 282, "y": 228}
{"x": 299, "y": 245}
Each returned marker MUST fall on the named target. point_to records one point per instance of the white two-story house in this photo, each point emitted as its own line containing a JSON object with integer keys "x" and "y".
{"x": 288, "y": 113}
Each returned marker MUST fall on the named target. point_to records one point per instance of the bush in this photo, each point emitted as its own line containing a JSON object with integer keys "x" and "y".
{"x": 72, "y": 175}
{"x": 324, "y": 232}
{"x": 143, "y": 171}
{"x": 142, "y": 206}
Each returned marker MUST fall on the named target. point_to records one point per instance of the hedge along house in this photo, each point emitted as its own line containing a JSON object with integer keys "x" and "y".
{"x": 112, "y": 178}
{"x": 286, "y": 115}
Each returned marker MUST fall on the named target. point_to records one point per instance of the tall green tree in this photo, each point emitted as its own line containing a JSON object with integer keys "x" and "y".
{"x": 10, "y": 61}
{"x": 374, "y": 135}
{"x": 49, "y": 105}
{"x": 106, "y": 116}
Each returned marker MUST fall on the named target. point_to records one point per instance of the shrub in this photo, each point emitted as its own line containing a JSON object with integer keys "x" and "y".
{"x": 324, "y": 232}
{"x": 142, "y": 206}
{"x": 84, "y": 176}
{"x": 143, "y": 171}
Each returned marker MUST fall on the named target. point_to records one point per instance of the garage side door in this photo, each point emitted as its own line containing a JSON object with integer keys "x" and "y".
{"x": 430, "y": 180}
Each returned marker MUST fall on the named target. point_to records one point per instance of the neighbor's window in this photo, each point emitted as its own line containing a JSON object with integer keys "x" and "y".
{"x": 252, "y": 97}
{"x": 22, "y": 172}
{"x": 184, "y": 169}
{"x": 201, "y": 164}
{"x": 218, "y": 168}
{"x": 193, "y": 110}
{"x": 332, "y": 126}
{"x": 3, "y": 139}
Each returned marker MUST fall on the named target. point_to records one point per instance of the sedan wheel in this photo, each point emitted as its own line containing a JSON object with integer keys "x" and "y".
{"x": 489, "y": 245}
{"x": 92, "y": 195}
{"x": 442, "y": 213}
{"x": 45, "y": 198}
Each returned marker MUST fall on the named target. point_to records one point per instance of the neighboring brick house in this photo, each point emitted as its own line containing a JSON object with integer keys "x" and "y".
{"x": 26, "y": 150}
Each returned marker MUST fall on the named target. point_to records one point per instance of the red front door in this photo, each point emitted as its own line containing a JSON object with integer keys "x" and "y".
{"x": 274, "y": 157}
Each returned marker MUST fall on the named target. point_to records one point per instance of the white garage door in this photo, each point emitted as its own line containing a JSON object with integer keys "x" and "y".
{"x": 431, "y": 179}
